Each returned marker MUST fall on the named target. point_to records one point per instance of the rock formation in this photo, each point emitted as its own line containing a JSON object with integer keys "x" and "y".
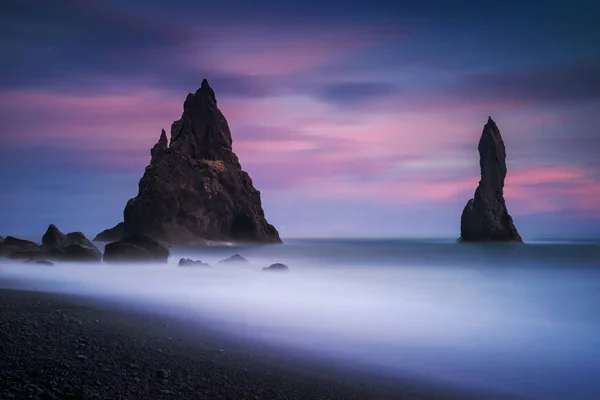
{"x": 112, "y": 234}
{"x": 18, "y": 248}
{"x": 136, "y": 248}
{"x": 73, "y": 246}
{"x": 56, "y": 245}
{"x": 485, "y": 217}
{"x": 194, "y": 189}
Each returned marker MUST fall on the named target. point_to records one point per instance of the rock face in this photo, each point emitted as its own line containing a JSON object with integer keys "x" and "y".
{"x": 136, "y": 248}
{"x": 113, "y": 234}
{"x": 485, "y": 217}
{"x": 73, "y": 246}
{"x": 194, "y": 188}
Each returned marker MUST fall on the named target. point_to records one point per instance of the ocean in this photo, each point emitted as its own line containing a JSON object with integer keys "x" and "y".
{"x": 521, "y": 319}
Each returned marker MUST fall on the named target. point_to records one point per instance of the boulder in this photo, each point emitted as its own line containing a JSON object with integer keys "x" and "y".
{"x": 113, "y": 234}
{"x": 277, "y": 267}
{"x": 136, "y": 248}
{"x": 236, "y": 258}
{"x": 53, "y": 237}
{"x": 187, "y": 262}
{"x": 18, "y": 248}
{"x": 194, "y": 189}
{"x": 73, "y": 246}
{"x": 76, "y": 252}
{"x": 485, "y": 217}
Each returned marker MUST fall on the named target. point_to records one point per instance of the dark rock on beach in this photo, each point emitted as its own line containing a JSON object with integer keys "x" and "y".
{"x": 187, "y": 262}
{"x": 53, "y": 237}
{"x": 194, "y": 188}
{"x": 18, "y": 248}
{"x": 485, "y": 217}
{"x": 137, "y": 248}
{"x": 113, "y": 234}
{"x": 56, "y": 245}
{"x": 277, "y": 267}
{"x": 73, "y": 246}
{"x": 236, "y": 258}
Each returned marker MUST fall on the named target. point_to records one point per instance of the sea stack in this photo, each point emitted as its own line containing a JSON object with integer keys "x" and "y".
{"x": 194, "y": 189}
{"x": 485, "y": 217}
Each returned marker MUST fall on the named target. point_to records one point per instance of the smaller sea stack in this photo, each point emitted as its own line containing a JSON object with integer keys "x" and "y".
{"x": 485, "y": 217}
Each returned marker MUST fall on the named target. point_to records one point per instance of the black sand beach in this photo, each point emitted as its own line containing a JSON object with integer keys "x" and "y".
{"x": 66, "y": 347}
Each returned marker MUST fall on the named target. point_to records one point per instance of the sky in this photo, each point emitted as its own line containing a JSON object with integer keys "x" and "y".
{"x": 353, "y": 118}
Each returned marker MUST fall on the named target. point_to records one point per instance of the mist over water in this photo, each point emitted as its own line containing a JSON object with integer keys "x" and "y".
{"x": 519, "y": 319}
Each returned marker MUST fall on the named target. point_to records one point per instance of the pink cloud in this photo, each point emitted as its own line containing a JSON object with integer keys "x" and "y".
{"x": 258, "y": 49}
{"x": 106, "y": 120}
{"x": 535, "y": 190}
{"x": 390, "y": 155}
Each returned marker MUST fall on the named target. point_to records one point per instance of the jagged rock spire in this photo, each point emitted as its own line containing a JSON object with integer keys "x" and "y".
{"x": 485, "y": 217}
{"x": 194, "y": 188}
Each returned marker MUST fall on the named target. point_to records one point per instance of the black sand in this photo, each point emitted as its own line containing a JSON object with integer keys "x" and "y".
{"x": 66, "y": 347}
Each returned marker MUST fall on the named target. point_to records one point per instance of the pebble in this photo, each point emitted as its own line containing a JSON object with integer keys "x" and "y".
{"x": 162, "y": 374}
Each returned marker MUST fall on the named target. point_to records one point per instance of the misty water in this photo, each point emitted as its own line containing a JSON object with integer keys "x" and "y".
{"x": 518, "y": 319}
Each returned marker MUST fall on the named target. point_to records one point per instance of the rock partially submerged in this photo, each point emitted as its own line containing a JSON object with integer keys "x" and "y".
{"x": 73, "y": 246}
{"x": 187, "y": 262}
{"x": 40, "y": 262}
{"x": 113, "y": 234}
{"x": 277, "y": 267}
{"x": 194, "y": 188}
{"x": 56, "y": 245}
{"x": 137, "y": 248}
{"x": 15, "y": 248}
{"x": 234, "y": 259}
{"x": 485, "y": 217}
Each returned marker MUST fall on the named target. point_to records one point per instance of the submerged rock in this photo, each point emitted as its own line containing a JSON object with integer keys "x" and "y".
{"x": 277, "y": 267}
{"x": 187, "y": 262}
{"x": 236, "y": 258}
{"x": 136, "y": 248}
{"x": 485, "y": 217}
{"x": 194, "y": 188}
{"x": 73, "y": 246}
{"x": 40, "y": 262}
{"x": 113, "y": 234}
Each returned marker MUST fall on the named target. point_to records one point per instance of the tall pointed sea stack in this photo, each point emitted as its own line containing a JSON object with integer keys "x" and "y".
{"x": 194, "y": 188}
{"x": 485, "y": 217}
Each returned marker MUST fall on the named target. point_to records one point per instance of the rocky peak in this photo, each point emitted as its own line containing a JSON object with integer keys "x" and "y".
{"x": 485, "y": 217}
{"x": 202, "y": 131}
{"x": 194, "y": 188}
{"x": 160, "y": 147}
{"x": 53, "y": 236}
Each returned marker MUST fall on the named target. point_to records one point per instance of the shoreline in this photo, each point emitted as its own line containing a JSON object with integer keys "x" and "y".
{"x": 70, "y": 346}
